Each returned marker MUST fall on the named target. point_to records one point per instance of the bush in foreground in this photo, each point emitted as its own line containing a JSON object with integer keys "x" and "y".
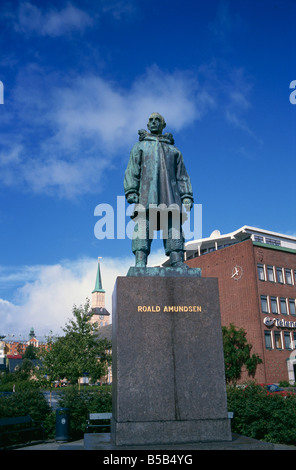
{"x": 263, "y": 416}
{"x": 81, "y": 403}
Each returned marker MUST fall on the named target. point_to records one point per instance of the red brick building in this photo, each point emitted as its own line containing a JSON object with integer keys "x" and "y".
{"x": 17, "y": 345}
{"x": 256, "y": 271}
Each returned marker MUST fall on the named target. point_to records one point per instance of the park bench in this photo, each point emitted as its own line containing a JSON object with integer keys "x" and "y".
{"x": 20, "y": 429}
{"x": 95, "y": 420}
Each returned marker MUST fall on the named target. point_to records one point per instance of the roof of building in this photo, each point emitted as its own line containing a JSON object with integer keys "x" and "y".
{"x": 105, "y": 332}
{"x": 98, "y": 285}
{"x": 21, "y": 338}
{"x": 99, "y": 311}
{"x": 217, "y": 241}
{"x": 16, "y": 361}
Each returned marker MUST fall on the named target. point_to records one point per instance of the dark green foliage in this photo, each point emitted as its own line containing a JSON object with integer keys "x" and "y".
{"x": 78, "y": 352}
{"x": 80, "y": 404}
{"x": 263, "y": 416}
{"x": 83, "y": 402}
{"x": 31, "y": 352}
{"x": 237, "y": 354}
{"x": 27, "y": 402}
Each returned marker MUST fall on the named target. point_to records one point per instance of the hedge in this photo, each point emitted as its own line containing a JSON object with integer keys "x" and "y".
{"x": 262, "y": 415}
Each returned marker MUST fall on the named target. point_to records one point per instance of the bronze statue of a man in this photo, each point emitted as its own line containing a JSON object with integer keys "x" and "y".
{"x": 156, "y": 177}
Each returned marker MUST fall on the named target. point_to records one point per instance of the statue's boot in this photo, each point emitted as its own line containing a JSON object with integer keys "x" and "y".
{"x": 177, "y": 258}
{"x": 141, "y": 259}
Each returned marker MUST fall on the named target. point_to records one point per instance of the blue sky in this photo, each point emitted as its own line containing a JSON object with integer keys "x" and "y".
{"x": 80, "y": 78}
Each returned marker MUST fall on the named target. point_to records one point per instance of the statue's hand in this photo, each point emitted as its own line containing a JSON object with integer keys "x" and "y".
{"x": 187, "y": 202}
{"x": 132, "y": 198}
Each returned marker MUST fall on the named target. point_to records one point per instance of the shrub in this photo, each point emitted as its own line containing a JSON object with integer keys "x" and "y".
{"x": 26, "y": 402}
{"x": 83, "y": 402}
{"x": 284, "y": 383}
{"x": 263, "y": 416}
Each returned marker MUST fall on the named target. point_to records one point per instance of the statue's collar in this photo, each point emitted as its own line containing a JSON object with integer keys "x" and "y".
{"x": 166, "y": 138}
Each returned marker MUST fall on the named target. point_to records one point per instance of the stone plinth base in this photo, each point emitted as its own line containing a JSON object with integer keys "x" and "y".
{"x": 168, "y": 365}
{"x": 179, "y": 271}
{"x": 170, "y": 432}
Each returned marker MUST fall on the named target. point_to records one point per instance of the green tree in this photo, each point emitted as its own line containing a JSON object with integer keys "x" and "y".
{"x": 237, "y": 353}
{"x": 78, "y": 352}
{"x": 30, "y": 352}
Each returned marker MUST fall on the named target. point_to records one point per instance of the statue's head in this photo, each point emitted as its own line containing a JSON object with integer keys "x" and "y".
{"x": 156, "y": 123}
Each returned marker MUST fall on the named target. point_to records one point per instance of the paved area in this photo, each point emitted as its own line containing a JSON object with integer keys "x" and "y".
{"x": 102, "y": 442}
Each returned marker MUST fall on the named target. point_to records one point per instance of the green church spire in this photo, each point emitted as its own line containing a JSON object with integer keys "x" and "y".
{"x": 98, "y": 286}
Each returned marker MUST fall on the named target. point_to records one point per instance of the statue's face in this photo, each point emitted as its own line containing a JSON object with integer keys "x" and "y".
{"x": 155, "y": 124}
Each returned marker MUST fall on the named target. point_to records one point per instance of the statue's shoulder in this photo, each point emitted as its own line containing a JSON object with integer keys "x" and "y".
{"x": 142, "y": 134}
{"x": 168, "y": 137}
{"x": 137, "y": 147}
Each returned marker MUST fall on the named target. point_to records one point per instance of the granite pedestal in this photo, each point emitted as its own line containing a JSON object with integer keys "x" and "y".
{"x": 168, "y": 367}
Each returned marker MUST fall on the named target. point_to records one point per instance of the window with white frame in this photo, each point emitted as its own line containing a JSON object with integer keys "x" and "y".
{"x": 261, "y": 275}
{"x": 287, "y": 340}
{"x": 278, "y": 340}
{"x": 264, "y": 304}
{"x": 294, "y": 340}
{"x": 273, "y": 305}
{"x": 283, "y": 303}
{"x": 288, "y": 275}
{"x": 270, "y": 274}
{"x": 272, "y": 241}
{"x": 279, "y": 275}
{"x": 258, "y": 238}
{"x": 268, "y": 343}
{"x": 292, "y": 307}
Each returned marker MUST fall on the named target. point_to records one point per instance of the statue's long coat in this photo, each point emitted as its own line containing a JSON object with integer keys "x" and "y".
{"x": 156, "y": 172}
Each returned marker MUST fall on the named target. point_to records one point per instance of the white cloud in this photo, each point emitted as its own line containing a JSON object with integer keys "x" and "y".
{"x": 68, "y": 178}
{"x": 46, "y": 301}
{"x": 48, "y": 293}
{"x": 53, "y": 22}
{"x": 119, "y": 9}
{"x": 81, "y": 127}
{"x": 93, "y": 107}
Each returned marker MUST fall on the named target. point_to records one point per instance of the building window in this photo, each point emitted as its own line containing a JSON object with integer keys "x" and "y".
{"x": 268, "y": 343}
{"x": 278, "y": 340}
{"x": 288, "y": 276}
{"x": 292, "y": 306}
{"x": 279, "y": 275}
{"x": 264, "y": 304}
{"x": 283, "y": 306}
{"x": 270, "y": 274}
{"x": 258, "y": 238}
{"x": 295, "y": 276}
{"x": 287, "y": 340}
{"x": 272, "y": 241}
{"x": 294, "y": 340}
{"x": 273, "y": 304}
{"x": 261, "y": 275}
